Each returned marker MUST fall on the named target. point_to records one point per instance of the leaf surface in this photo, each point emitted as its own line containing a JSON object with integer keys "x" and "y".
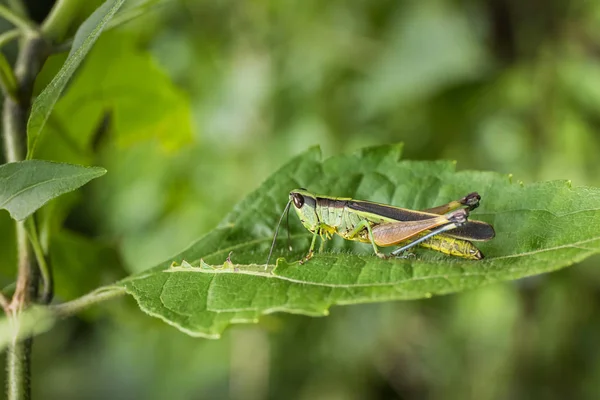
{"x": 27, "y": 185}
{"x": 540, "y": 227}
{"x": 85, "y": 37}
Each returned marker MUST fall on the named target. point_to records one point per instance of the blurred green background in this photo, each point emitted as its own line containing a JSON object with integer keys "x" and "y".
{"x": 202, "y": 100}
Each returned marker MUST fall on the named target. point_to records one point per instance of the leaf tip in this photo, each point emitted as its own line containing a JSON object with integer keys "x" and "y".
{"x": 100, "y": 171}
{"x": 316, "y": 150}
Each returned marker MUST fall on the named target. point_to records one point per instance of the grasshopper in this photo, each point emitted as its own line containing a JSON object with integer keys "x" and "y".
{"x": 444, "y": 228}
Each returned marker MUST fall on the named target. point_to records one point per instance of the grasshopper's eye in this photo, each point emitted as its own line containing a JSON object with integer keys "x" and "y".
{"x": 298, "y": 200}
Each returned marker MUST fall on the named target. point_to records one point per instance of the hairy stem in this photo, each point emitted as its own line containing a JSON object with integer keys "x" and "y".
{"x": 98, "y": 295}
{"x": 18, "y": 366}
{"x": 32, "y": 53}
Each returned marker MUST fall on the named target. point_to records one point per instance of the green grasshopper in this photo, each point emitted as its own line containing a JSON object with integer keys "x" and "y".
{"x": 445, "y": 228}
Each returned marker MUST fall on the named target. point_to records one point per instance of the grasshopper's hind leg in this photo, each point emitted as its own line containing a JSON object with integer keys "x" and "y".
{"x": 457, "y": 220}
{"x": 470, "y": 202}
{"x": 364, "y": 224}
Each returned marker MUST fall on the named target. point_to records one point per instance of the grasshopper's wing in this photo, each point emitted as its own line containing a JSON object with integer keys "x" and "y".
{"x": 478, "y": 231}
{"x": 472, "y": 230}
{"x": 389, "y": 234}
{"x": 389, "y": 212}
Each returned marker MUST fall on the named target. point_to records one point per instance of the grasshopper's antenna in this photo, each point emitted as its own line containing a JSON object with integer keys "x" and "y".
{"x": 287, "y": 227}
{"x": 285, "y": 210}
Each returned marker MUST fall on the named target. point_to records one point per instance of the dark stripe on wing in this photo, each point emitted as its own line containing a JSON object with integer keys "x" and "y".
{"x": 473, "y": 230}
{"x": 399, "y": 214}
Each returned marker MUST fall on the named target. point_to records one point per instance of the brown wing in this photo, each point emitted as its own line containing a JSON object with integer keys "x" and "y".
{"x": 389, "y": 234}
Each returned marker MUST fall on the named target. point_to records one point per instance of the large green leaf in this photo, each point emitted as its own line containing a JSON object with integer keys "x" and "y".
{"x": 540, "y": 227}
{"x": 86, "y": 36}
{"x": 164, "y": 112}
{"x": 27, "y": 185}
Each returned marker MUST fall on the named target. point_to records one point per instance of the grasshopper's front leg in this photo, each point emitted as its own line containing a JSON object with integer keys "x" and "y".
{"x": 323, "y": 232}
{"x": 312, "y": 247}
{"x": 324, "y": 236}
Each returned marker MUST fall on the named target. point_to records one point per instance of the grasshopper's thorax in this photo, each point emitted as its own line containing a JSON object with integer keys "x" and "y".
{"x": 305, "y": 205}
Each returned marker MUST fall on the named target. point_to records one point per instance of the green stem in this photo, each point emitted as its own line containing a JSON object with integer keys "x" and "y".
{"x": 60, "y": 18}
{"x": 98, "y": 295}
{"x": 31, "y": 55}
{"x": 18, "y": 354}
{"x": 44, "y": 266}
{"x": 9, "y": 36}
{"x": 18, "y": 7}
{"x": 17, "y": 20}
{"x": 18, "y": 364}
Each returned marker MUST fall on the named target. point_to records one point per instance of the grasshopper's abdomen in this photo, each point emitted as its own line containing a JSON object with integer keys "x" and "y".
{"x": 453, "y": 247}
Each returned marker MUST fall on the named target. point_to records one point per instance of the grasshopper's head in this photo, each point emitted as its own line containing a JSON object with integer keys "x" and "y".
{"x": 305, "y": 205}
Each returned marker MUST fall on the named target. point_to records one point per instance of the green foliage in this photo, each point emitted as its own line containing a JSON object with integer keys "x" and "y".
{"x": 82, "y": 263}
{"x": 7, "y": 77}
{"x": 495, "y": 88}
{"x": 86, "y": 36}
{"x": 540, "y": 228}
{"x": 27, "y": 185}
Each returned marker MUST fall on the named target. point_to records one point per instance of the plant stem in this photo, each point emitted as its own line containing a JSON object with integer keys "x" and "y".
{"x": 43, "y": 264}
{"x": 13, "y": 139}
{"x": 57, "y": 23}
{"x": 9, "y": 36}
{"x": 23, "y": 293}
{"x": 32, "y": 53}
{"x": 17, "y": 20}
{"x": 18, "y": 7}
{"x": 18, "y": 366}
{"x": 4, "y": 303}
{"x": 98, "y": 295}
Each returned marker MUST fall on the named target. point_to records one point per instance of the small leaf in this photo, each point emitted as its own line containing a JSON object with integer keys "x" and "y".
{"x": 96, "y": 90}
{"x": 85, "y": 37}
{"x": 7, "y": 77}
{"x": 539, "y": 228}
{"x": 27, "y": 185}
